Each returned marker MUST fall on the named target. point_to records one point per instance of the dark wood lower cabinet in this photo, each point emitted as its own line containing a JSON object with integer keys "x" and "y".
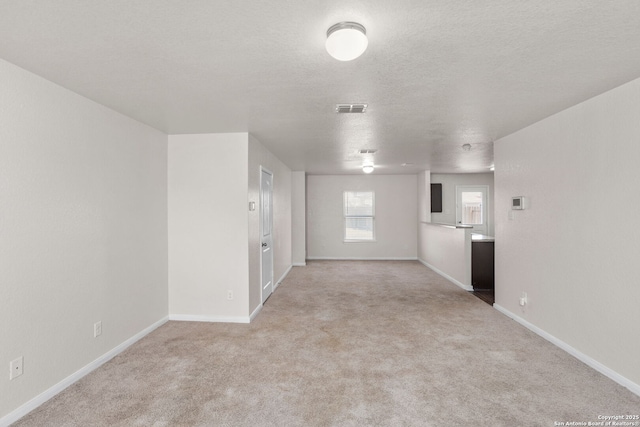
{"x": 482, "y": 266}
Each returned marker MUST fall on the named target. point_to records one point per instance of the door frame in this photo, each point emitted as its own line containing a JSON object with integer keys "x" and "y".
{"x": 263, "y": 169}
{"x": 486, "y": 206}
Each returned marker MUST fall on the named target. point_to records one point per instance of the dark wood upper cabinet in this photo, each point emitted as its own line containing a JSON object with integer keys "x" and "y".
{"x": 436, "y": 197}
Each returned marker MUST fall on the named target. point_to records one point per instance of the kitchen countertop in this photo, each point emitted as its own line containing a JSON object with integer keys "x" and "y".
{"x": 482, "y": 238}
{"x": 439, "y": 224}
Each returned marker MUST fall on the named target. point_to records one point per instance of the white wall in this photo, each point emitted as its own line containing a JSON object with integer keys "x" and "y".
{"x": 208, "y": 226}
{"x": 575, "y": 250}
{"x": 259, "y": 156}
{"x": 214, "y": 240}
{"x": 396, "y": 216}
{"x": 424, "y": 196}
{"x": 447, "y": 250}
{"x": 83, "y": 220}
{"x": 298, "y": 218}
{"x": 449, "y": 182}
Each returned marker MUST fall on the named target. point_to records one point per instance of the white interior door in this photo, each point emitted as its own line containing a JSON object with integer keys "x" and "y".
{"x": 266, "y": 232}
{"x": 471, "y": 206}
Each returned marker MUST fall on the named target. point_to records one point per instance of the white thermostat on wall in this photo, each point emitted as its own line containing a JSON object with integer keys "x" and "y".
{"x": 517, "y": 203}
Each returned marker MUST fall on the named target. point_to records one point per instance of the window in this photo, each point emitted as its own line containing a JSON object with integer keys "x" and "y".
{"x": 359, "y": 209}
{"x": 472, "y": 207}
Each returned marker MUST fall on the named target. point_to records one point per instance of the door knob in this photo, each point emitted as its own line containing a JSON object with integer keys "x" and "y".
{"x": 264, "y": 245}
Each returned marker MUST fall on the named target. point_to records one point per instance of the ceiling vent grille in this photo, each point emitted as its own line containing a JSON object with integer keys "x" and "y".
{"x": 367, "y": 151}
{"x": 351, "y": 108}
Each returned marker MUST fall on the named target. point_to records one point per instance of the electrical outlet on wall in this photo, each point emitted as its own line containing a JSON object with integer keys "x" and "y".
{"x": 97, "y": 329}
{"x": 229, "y": 295}
{"x": 523, "y": 299}
{"x": 15, "y": 367}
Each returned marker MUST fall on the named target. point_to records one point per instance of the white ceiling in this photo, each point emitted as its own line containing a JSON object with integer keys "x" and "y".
{"x": 437, "y": 73}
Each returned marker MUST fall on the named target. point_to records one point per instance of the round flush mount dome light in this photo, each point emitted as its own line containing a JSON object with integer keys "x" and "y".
{"x": 346, "y": 41}
{"x": 367, "y": 168}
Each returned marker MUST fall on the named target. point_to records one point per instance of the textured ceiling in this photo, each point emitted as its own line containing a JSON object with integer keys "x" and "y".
{"x": 437, "y": 73}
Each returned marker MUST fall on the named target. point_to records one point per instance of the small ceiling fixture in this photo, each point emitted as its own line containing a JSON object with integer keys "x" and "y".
{"x": 466, "y": 147}
{"x": 367, "y": 168}
{"x": 346, "y": 41}
{"x": 492, "y": 168}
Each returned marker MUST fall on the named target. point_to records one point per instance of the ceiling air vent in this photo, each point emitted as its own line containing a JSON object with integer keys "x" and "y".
{"x": 367, "y": 151}
{"x": 351, "y": 108}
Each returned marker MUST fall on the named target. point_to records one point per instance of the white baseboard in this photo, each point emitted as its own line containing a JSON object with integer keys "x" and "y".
{"x": 211, "y": 319}
{"x": 321, "y": 258}
{"x": 226, "y": 319}
{"x": 446, "y": 276}
{"x": 608, "y": 372}
{"x": 282, "y": 277}
{"x": 255, "y": 312}
{"x": 52, "y": 391}
{"x": 299, "y": 264}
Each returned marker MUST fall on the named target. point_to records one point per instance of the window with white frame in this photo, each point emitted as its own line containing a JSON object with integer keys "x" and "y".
{"x": 359, "y": 216}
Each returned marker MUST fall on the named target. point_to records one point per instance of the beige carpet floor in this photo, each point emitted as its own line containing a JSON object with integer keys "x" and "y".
{"x": 344, "y": 344}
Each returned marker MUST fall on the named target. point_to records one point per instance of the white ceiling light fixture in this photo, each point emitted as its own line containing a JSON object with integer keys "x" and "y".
{"x": 346, "y": 41}
{"x": 367, "y": 168}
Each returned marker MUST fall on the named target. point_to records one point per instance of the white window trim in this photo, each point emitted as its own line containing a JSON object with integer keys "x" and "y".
{"x": 344, "y": 217}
